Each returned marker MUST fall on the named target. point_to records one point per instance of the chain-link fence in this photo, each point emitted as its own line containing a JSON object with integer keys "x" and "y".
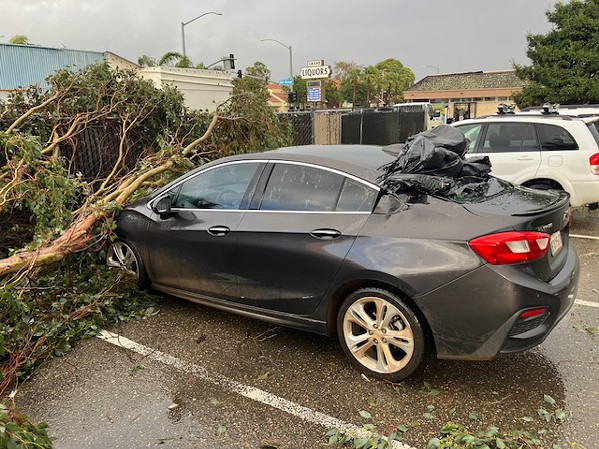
{"x": 381, "y": 126}
{"x": 95, "y": 150}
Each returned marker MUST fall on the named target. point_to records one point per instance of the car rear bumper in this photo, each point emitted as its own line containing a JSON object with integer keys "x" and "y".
{"x": 485, "y": 320}
{"x": 585, "y": 192}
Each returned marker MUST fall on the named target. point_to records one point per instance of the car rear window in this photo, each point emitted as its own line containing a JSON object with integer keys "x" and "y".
{"x": 555, "y": 138}
{"x": 300, "y": 188}
{"x": 594, "y": 128}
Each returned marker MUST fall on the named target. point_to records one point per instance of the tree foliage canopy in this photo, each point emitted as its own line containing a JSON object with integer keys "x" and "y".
{"x": 19, "y": 39}
{"x": 156, "y": 138}
{"x": 565, "y": 61}
{"x": 383, "y": 82}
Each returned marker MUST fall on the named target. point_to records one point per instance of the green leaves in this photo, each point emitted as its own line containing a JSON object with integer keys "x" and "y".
{"x": 16, "y": 431}
{"x": 429, "y": 389}
{"x": 365, "y": 414}
{"x": 564, "y": 60}
{"x": 591, "y": 330}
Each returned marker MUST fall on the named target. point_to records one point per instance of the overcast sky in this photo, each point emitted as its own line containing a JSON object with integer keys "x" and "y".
{"x": 455, "y": 36}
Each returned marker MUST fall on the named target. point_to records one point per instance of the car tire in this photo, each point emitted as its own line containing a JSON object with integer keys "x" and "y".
{"x": 366, "y": 321}
{"x": 542, "y": 186}
{"x": 122, "y": 255}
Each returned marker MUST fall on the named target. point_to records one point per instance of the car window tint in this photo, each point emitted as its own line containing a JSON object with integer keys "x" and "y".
{"x": 301, "y": 188}
{"x": 509, "y": 137}
{"x": 218, "y": 188}
{"x": 356, "y": 197}
{"x": 555, "y": 138}
{"x": 471, "y": 132}
{"x": 593, "y": 128}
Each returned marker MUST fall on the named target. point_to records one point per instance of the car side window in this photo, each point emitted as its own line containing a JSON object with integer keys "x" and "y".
{"x": 471, "y": 132}
{"x": 217, "y": 188}
{"x": 294, "y": 187}
{"x": 555, "y": 138}
{"x": 356, "y": 197}
{"x": 509, "y": 137}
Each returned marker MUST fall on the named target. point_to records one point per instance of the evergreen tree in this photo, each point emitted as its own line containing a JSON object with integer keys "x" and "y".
{"x": 565, "y": 61}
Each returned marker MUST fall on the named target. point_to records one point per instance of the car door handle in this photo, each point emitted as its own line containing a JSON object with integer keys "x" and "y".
{"x": 325, "y": 234}
{"x": 524, "y": 158}
{"x": 218, "y": 231}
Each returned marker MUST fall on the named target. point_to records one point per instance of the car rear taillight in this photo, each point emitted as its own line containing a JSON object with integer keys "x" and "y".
{"x": 511, "y": 247}
{"x": 594, "y": 161}
{"x": 533, "y": 313}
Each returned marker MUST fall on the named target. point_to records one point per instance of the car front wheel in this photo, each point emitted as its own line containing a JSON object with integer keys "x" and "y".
{"x": 380, "y": 334}
{"x": 123, "y": 256}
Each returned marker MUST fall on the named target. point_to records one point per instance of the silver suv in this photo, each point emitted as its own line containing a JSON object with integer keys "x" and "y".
{"x": 540, "y": 151}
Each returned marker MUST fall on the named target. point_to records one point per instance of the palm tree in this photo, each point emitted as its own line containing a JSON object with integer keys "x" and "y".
{"x": 19, "y": 39}
{"x": 354, "y": 76}
{"x": 175, "y": 59}
{"x": 372, "y": 77}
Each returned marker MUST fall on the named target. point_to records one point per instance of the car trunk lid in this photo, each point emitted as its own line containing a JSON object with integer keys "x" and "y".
{"x": 525, "y": 209}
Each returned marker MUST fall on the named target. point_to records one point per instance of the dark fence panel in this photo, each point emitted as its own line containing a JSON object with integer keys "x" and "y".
{"x": 411, "y": 121}
{"x": 381, "y": 126}
{"x": 351, "y": 128}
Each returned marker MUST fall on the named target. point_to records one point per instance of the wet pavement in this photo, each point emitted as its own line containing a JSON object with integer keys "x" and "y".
{"x": 103, "y": 396}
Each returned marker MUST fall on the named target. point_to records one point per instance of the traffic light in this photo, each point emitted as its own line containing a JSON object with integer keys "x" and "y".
{"x": 239, "y": 74}
{"x": 228, "y": 62}
{"x": 292, "y": 97}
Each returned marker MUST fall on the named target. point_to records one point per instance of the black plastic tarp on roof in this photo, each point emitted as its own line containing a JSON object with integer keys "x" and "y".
{"x": 433, "y": 162}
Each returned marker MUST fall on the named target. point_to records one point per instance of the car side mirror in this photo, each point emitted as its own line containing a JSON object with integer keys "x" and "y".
{"x": 163, "y": 206}
{"x": 436, "y": 113}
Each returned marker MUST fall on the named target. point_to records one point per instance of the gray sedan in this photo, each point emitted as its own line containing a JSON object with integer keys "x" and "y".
{"x": 315, "y": 238}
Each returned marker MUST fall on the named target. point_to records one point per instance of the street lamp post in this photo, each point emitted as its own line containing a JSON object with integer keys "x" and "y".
{"x": 288, "y": 47}
{"x": 193, "y": 20}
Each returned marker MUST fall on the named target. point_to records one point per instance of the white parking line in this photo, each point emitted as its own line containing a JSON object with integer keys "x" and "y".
{"x": 247, "y": 391}
{"x": 588, "y": 237}
{"x": 580, "y": 302}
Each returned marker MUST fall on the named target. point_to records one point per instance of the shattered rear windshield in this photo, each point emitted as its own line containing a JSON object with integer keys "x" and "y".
{"x": 433, "y": 162}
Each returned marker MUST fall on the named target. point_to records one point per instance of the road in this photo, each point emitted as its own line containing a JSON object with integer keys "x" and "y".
{"x": 194, "y": 377}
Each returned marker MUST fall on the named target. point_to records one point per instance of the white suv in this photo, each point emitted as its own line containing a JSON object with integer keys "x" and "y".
{"x": 540, "y": 151}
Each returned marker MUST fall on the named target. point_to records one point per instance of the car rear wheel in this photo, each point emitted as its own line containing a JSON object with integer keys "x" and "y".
{"x": 544, "y": 185}
{"x": 123, "y": 256}
{"x": 380, "y": 334}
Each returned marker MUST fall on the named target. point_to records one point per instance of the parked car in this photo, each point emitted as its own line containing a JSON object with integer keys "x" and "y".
{"x": 578, "y": 110}
{"x": 543, "y": 151}
{"x": 315, "y": 238}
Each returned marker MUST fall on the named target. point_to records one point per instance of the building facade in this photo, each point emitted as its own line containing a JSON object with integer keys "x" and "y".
{"x": 24, "y": 65}
{"x": 278, "y": 97}
{"x": 203, "y": 89}
{"x": 468, "y": 94}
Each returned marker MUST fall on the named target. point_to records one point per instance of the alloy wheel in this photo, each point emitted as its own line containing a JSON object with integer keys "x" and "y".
{"x": 378, "y": 335}
{"x": 121, "y": 256}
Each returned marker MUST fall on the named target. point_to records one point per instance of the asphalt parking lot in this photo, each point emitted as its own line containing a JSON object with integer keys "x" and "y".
{"x": 194, "y": 377}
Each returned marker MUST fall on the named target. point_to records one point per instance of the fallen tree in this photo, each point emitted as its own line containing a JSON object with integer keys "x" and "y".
{"x": 157, "y": 138}
{"x": 71, "y": 155}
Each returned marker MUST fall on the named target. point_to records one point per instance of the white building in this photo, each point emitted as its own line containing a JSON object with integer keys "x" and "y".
{"x": 202, "y": 89}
